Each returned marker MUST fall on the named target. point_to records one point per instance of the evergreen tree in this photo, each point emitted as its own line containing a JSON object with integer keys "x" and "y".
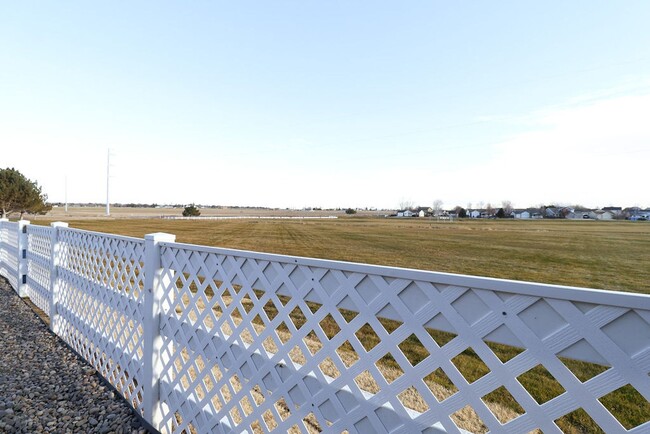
{"x": 19, "y": 194}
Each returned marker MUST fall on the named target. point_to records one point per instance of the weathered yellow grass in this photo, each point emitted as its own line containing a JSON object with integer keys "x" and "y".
{"x": 607, "y": 255}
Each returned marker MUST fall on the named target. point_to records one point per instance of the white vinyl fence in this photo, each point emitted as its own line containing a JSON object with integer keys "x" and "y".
{"x": 202, "y": 339}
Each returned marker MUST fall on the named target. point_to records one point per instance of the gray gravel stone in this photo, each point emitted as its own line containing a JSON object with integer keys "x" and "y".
{"x": 45, "y": 387}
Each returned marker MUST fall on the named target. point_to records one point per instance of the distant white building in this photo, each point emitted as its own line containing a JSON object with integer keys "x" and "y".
{"x": 522, "y": 214}
{"x": 604, "y": 215}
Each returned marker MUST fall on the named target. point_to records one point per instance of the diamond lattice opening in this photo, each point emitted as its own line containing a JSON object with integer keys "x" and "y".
{"x": 258, "y": 395}
{"x": 310, "y": 422}
{"x": 270, "y": 310}
{"x": 297, "y": 317}
{"x": 270, "y": 345}
{"x": 348, "y": 315}
{"x": 246, "y": 406}
{"x": 226, "y": 297}
{"x": 258, "y": 324}
{"x": 235, "y": 382}
{"x": 283, "y": 332}
{"x": 328, "y": 368}
{"x": 505, "y": 353}
{"x": 367, "y": 337}
{"x": 282, "y": 408}
{"x": 312, "y": 342}
{"x": 389, "y": 368}
{"x": 412, "y": 399}
{"x": 440, "y": 385}
{"x": 216, "y": 402}
{"x": 413, "y": 350}
{"x": 584, "y": 371}
{"x": 578, "y": 421}
{"x": 470, "y": 365}
{"x": 366, "y": 382}
{"x": 441, "y": 338}
{"x": 284, "y": 299}
{"x": 389, "y": 325}
{"x": 296, "y": 355}
{"x": 235, "y": 415}
{"x": 313, "y": 307}
{"x": 347, "y": 354}
{"x": 503, "y": 405}
{"x": 329, "y": 326}
{"x": 540, "y": 384}
{"x": 247, "y": 303}
{"x": 628, "y": 406}
{"x": 466, "y": 418}
{"x": 269, "y": 420}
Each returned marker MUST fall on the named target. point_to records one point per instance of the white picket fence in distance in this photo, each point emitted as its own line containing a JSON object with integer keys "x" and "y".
{"x": 202, "y": 339}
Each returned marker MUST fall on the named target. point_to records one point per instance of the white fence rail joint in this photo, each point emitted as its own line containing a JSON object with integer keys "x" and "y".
{"x": 202, "y": 339}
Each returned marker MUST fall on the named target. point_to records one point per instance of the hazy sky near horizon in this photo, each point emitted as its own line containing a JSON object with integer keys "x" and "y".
{"x": 329, "y": 103}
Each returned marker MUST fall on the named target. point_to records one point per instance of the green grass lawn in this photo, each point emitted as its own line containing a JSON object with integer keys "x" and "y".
{"x": 604, "y": 255}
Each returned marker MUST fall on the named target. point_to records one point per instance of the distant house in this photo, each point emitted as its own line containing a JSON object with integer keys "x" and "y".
{"x": 604, "y": 215}
{"x": 551, "y": 213}
{"x": 519, "y": 214}
{"x": 613, "y": 209}
{"x": 405, "y": 213}
{"x": 581, "y": 215}
{"x": 474, "y": 214}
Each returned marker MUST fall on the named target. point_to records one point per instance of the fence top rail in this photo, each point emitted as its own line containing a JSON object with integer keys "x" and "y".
{"x": 104, "y": 235}
{"x": 36, "y": 229}
{"x": 587, "y": 295}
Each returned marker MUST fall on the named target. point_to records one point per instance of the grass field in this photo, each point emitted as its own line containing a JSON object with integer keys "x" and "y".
{"x": 607, "y": 255}
{"x": 604, "y": 255}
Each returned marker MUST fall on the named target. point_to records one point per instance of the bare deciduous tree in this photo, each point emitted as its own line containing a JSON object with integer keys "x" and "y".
{"x": 437, "y": 207}
{"x": 507, "y": 207}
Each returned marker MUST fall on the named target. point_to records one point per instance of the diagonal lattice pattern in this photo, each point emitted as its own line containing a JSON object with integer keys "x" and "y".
{"x": 9, "y": 234}
{"x": 101, "y": 293}
{"x": 267, "y": 343}
{"x": 39, "y": 250}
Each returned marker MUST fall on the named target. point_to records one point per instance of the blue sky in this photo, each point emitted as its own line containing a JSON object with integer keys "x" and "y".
{"x": 330, "y": 104}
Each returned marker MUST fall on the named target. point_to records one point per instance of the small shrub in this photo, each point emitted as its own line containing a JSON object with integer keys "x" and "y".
{"x": 191, "y": 211}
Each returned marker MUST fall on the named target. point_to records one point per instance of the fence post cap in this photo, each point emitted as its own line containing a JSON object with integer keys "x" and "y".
{"x": 59, "y": 224}
{"x": 160, "y": 236}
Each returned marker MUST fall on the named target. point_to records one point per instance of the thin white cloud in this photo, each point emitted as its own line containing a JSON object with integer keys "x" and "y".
{"x": 590, "y": 153}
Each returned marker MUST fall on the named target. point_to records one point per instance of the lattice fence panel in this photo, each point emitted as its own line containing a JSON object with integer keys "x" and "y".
{"x": 4, "y": 229}
{"x": 265, "y": 343}
{"x": 9, "y": 234}
{"x": 39, "y": 248}
{"x": 100, "y": 305}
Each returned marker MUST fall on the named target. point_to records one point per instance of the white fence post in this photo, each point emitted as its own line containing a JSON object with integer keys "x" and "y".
{"x": 21, "y": 277}
{"x": 153, "y": 294}
{"x": 55, "y": 260}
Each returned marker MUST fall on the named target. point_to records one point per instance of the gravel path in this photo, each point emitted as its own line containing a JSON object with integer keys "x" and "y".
{"x": 45, "y": 387}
